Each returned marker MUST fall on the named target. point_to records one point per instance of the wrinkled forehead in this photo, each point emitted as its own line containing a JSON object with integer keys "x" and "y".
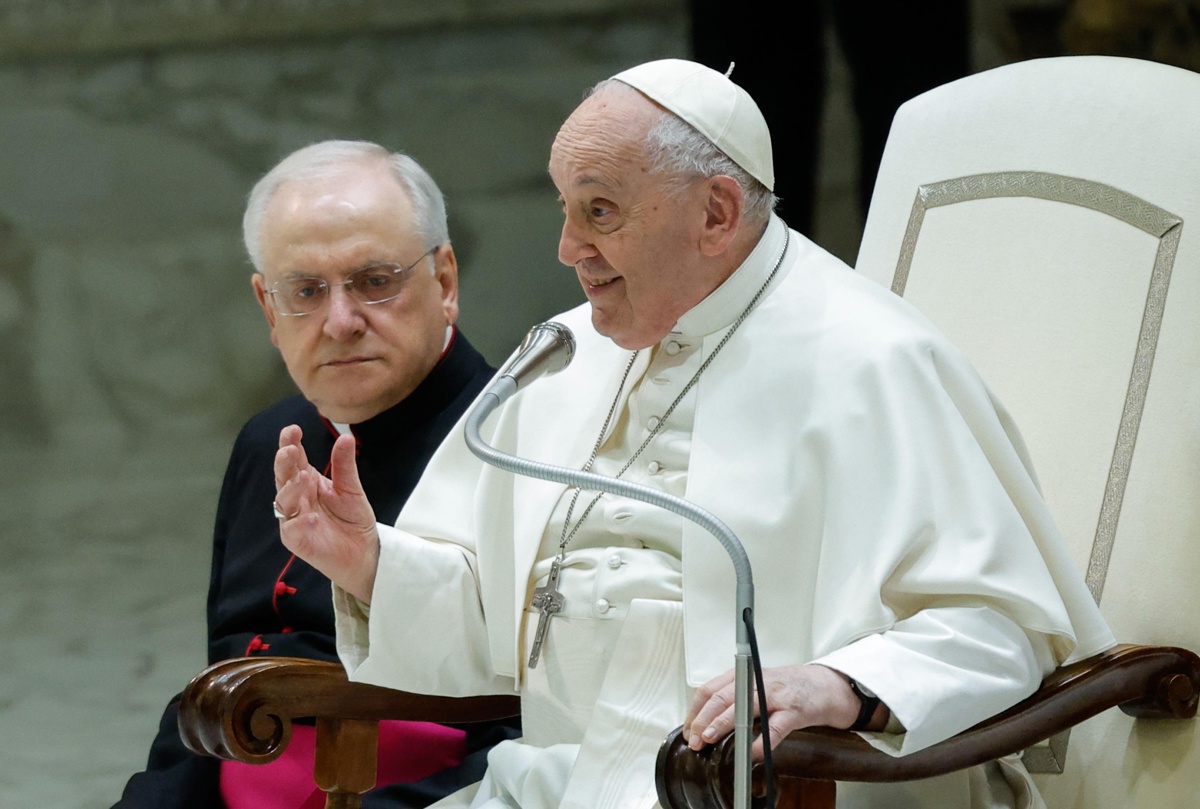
{"x": 339, "y": 223}
{"x": 603, "y": 142}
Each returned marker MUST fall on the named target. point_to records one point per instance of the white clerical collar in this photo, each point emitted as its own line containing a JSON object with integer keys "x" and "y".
{"x": 726, "y": 302}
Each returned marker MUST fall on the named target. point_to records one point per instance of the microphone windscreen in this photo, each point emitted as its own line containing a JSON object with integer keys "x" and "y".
{"x": 547, "y": 349}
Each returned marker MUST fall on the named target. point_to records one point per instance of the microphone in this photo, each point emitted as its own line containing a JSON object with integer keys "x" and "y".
{"x": 547, "y": 349}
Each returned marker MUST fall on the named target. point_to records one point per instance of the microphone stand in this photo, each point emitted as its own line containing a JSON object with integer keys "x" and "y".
{"x": 504, "y": 387}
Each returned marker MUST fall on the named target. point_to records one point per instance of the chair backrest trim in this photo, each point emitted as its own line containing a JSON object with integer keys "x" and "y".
{"x": 1121, "y": 205}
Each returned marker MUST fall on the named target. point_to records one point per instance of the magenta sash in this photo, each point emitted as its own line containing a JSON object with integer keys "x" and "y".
{"x": 408, "y": 751}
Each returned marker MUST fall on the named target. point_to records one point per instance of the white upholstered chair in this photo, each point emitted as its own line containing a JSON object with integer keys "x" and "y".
{"x": 1046, "y": 216}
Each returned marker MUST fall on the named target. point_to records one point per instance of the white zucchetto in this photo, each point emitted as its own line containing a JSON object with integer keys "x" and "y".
{"x": 709, "y": 101}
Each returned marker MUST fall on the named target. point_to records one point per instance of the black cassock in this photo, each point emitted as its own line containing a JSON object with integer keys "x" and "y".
{"x": 264, "y": 601}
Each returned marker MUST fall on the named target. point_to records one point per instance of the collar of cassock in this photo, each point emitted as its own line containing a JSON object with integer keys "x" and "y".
{"x": 453, "y": 371}
{"x": 726, "y": 302}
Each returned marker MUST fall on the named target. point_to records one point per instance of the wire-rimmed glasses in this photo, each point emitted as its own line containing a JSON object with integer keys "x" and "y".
{"x": 379, "y": 283}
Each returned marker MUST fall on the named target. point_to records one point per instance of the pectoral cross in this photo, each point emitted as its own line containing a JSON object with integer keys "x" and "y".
{"x": 548, "y": 600}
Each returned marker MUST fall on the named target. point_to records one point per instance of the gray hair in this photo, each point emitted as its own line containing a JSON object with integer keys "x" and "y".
{"x": 326, "y": 159}
{"x": 679, "y": 150}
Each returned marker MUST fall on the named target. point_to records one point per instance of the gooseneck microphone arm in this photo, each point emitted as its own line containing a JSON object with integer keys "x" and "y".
{"x": 547, "y": 349}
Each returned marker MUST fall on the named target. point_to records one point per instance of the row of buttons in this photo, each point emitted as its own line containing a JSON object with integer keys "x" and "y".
{"x": 257, "y": 644}
{"x": 614, "y": 563}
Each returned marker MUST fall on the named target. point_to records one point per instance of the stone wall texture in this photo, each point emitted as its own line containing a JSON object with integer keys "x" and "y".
{"x": 123, "y": 170}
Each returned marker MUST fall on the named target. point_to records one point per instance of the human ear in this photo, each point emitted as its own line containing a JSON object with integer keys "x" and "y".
{"x": 260, "y": 292}
{"x": 446, "y": 273}
{"x": 723, "y": 209}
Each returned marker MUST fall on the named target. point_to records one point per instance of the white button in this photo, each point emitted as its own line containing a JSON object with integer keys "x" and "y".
{"x": 673, "y": 348}
{"x": 652, "y": 422}
{"x": 622, "y": 516}
{"x": 661, "y": 379}
{"x": 654, "y": 467}
{"x": 614, "y": 561}
{"x": 602, "y": 606}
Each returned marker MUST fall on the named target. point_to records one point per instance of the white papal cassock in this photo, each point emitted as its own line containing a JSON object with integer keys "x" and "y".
{"x": 885, "y": 500}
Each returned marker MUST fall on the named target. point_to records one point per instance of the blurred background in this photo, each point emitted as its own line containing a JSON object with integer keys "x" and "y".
{"x": 132, "y": 350}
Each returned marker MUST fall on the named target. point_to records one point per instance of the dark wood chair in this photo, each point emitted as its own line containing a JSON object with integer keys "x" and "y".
{"x": 243, "y": 710}
{"x": 1148, "y": 682}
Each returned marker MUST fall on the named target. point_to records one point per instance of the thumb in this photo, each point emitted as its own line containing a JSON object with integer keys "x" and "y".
{"x": 343, "y": 469}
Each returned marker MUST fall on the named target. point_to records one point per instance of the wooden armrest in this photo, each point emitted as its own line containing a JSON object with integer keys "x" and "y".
{"x": 1145, "y": 681}
{"x": 242, "y": 709}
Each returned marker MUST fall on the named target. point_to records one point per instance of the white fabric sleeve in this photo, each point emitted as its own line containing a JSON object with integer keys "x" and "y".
{"x": 975, "y": 600}
{"x": 425, "y": 598}
{"x": 943, "y": 670}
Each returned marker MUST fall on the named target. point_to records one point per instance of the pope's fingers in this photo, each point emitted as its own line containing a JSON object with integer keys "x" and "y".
{"x": 703, "y": 694}
{"x": 285, "y": 467}
{"x": 290, "y": 458}
{"x": 291, "y": 434}
{"x": 778, "y": 726}
{"x": 298, "y": 500}
{"x": 294, "y": 495}
{"x": 290, "y": 461}
{"x": 711, "y": 713}
{"x": 343, "y": 469}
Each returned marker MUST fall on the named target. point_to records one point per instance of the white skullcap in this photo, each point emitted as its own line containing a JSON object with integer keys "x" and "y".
{"x": 722, "y": 112}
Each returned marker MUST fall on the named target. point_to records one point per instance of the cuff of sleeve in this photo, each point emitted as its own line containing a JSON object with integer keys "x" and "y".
{"x": 351, "y": 619}
{"x": 352, "y": 606}
{"x": 943, "y": 669}
{"x": 862, "y": 663}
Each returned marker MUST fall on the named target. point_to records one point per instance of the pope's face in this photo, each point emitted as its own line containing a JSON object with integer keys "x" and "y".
{"x": 351, "y": 359}
{"x": 634, "y": 246}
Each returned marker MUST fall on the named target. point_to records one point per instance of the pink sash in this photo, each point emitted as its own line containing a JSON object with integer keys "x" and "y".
{"x": 408, "y": 751}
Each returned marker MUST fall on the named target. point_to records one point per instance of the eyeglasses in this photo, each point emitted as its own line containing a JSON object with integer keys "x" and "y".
{"x": 300, "y": 296}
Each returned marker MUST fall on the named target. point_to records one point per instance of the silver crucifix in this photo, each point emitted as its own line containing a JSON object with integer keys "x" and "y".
{"x": 547, "y": 600}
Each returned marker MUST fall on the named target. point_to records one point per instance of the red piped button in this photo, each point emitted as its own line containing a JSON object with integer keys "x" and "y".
{"x": 257, "y": 645}
{"x": 281, "y": 588}
{"x": 287, "y": 630}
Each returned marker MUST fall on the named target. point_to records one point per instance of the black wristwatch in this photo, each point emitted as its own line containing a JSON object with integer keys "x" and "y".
{"x": 868, "y": 702}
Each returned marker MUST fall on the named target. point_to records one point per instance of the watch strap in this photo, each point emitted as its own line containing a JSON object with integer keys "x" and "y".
{"x": 868, "y": 702}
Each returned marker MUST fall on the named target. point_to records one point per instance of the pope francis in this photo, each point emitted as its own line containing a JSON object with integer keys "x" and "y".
{"x": 910, "y": 580}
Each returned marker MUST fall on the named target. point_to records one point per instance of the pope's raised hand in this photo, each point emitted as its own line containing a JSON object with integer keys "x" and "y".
{"x": 327, "y": 521}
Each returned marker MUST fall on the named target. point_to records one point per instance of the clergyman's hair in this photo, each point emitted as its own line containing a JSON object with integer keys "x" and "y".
{"x": 684, "y": 154}
{"x": 327, "y": 159}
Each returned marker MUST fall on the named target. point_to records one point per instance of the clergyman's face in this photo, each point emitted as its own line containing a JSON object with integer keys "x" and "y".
{"x": 633, "y": 244}
{"x": 350, "y": 359}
